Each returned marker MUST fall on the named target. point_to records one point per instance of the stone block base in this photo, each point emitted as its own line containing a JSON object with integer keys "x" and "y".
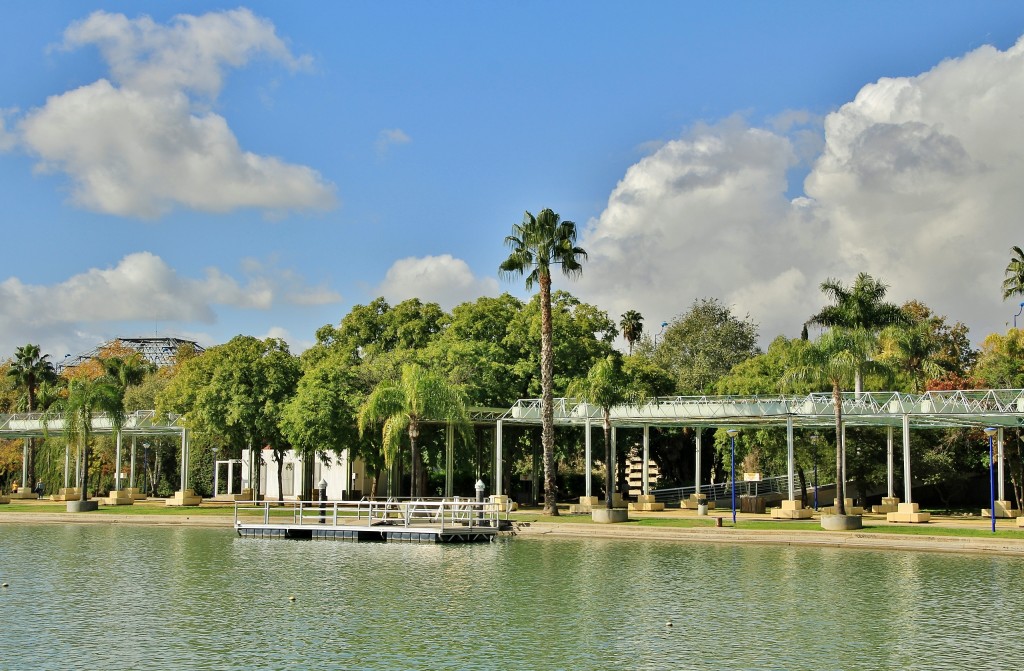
{"x": 503, "y": 503}
{"x": 888, "y": 505}
{"x": 135, "y": 493}
{"x": 646, "y": 503}
{"x": 850, "y": 508}
{"x": 23, "y": 496}
{"x": 117, "y": 497}
{"x": 4, "y": 499}
{"x": 610, "y": 516}
{"x": 67, "y": 494}
{"x": 231, "y": 498}
{"x": 908, "y": 512}
{"x": 695, "y": 500}
{"x": 1004, "y": 509}
{"x": 791, "y": 510}
{"x": 184, "y": 498}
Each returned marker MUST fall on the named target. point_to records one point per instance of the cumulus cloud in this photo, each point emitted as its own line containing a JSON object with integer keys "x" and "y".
{"x": 7, "y": 139}
{"x": 443, "y": 279}
{"x": 142, "y": 287}
{"x": 389, "y": 138}
{"x": 916, "y": 181}
{"x": 142, "y": 143}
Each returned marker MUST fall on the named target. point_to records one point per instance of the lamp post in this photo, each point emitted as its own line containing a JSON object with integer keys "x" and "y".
{"x": 664, "y": 325}
{"x": 814, "y": 441}
{"x": 732, "y": 469}
{"x": 991, "y": 432}
{"x": 1018, "y": 314}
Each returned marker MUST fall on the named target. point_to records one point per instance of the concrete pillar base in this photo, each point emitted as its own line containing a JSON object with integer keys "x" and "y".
{"x": 791, "y": 510}
{"x": 888, "y": 505}
{"x": 609, "y": 516}
{"x": 1004, "y": 510}
{"x": 4, "y": 499}
{"x": 646, "y": 503}
{"x": 135, "y": 493}
{"x": 502, "y": 502}
{"x": 850, "y": 508}
{"x": 23, "y": 495}
{"x": 908, "y": 512}
{"x": 841, "y": 522}
{"x": 185, "y": 497}
{"x": 82, "y": 506}
{"x": 118, "y": 498}
{"x": 695, "y": 500}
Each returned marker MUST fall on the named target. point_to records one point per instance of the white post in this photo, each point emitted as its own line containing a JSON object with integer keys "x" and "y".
{"x": 449, "y": 460}
{"x": 906, "y": 458}
{"x": 497, "y": 459}
{"x": 615, "y": 465}
{"x": 231, "y": 475}
{"x": 67, "y": 464}
{"x": 890, "y": 461}
{"x": 588, "y": 458}
{"x": 1002, "y": 478}
{"x": 24, "y": 466}
{"x": 696, "y": 468}
{"x": 184, "y": 462}
{"x": 846, "y": 473}
{"x": 117, "y": 462}
{"x": 131, "y": 481}
{"x": 647, "y": 460}
{"x": 789, "y": 457}
{"x": 216, "y": 476}
{"x": 346, "y": 472}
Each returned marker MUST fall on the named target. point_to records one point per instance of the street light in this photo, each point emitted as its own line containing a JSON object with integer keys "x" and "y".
{"x": 814, "y": 441}
{"x": 1018, "y": 314}
{"x": 991, "y": 432}
{"x": 664, "y": 325}
{"x": 732, "y": 437}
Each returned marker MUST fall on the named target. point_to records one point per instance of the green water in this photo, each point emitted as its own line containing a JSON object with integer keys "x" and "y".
{"x": 123, "y": 597}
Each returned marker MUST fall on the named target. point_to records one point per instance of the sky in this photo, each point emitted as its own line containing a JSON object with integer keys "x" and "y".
{"x": 202, "y": 170}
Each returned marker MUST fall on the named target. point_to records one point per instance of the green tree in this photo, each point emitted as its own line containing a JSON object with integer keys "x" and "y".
{"x": 860, "y": 306}
{"x": 913, "y": 350}
{"x": 835, "y": 359}
{"x": 604, "y": 386}
{"x": 29, "y": 370}
{"x": 1013, "y": 285}
{"x": 702, "y": 345}
{"x": 404, "y": 405}
{"x": 632, "y": 326}
{"x": 537, "y": 244}
{"x": 87, "y": 397}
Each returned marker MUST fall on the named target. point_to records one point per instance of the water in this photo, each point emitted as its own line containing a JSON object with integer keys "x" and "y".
{"x": 123, "y": 597}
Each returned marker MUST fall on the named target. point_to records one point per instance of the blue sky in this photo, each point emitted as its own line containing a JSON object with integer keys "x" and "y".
{"x": 203, "y": 170}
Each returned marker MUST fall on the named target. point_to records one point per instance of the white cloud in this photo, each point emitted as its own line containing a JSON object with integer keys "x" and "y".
{"x": 142, "y": 287}
{"x": 7, "y": 139}
{"x": 917, "y": 183}
{"x": 140, "y": 144}
{"x": 443, "y": 279}
{"x": 389, "y": 138}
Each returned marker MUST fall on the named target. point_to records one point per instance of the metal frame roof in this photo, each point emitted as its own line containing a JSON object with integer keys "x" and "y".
{"x": 934, "y": 409}
{"x": 139, "y": 423}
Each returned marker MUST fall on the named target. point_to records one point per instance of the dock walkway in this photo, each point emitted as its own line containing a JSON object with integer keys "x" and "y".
{"x": 454, "y": 520}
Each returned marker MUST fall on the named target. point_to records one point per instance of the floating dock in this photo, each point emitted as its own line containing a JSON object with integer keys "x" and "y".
{"x": 419, "y": 521}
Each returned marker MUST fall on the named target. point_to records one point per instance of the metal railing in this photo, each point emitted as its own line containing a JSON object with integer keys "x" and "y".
{"x": 723, "y": 490}
{"x": 443, "y": 513}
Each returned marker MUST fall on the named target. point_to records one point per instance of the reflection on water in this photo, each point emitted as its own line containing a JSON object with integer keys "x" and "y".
{"x": 122, "y": 597}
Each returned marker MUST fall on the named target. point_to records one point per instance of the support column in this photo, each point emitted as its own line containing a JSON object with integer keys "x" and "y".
{"x": 498, "y": 461}
{"x": 449, "y": 459}
{"x": 117, "y": 461}
{"x": 24, "y": 466}
{"x": 67, "y": 464}
{"x": 845, "y": 471}
{"x": 1001, "y": 473}
{"x": 186, "y": 496}
{"x": 906, "y": 459}
{"x": 790, "y": 462}
{"x": 696, "y": 462}
{"x": 890, "y": 461}
{"x": 647, "y": 460}
{"x": 615, "y": 466}
{"x": 588, "y": 460}
{"x": 131, "y": 472}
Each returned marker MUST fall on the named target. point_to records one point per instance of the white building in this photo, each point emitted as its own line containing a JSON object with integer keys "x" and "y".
{"x": 345, "y": 480}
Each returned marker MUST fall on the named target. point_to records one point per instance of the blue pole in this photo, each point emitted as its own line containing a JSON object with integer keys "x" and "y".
{"x": 991, "y": 485}
{"x": 733, "y": 470}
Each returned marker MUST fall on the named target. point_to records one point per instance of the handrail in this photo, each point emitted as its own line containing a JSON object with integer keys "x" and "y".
{"x": 447, "y": 513}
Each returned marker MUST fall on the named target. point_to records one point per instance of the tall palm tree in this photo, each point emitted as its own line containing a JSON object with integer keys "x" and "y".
{"x": 913, "y": 350}
{"x": 30, "y": 370}
{"x": 86, "y": 398}
{"x": 835, "y": 359}
{"x": 632, "y": 327}
{"x": 404, "y": 405}
{"x": 859, "y": 307}
{"x": 604, "y": 386}
{"x": 1014, "y": 282}
{"x": 537, "y": 244}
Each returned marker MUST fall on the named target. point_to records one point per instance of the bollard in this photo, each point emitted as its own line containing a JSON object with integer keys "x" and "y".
{"x": 479, "y": 487}
{"x": 322, "y": 495}
{"x": 718, "y": 521}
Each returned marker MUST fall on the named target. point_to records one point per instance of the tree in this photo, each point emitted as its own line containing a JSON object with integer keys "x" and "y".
{"x": 537, "y": 244}
{"x": 1013, "y": 285}
{"x": 404, "y": 405}
{"x": 912, "y": 350}
{"x": 835, "y": 359}
{"x": 859, "y": 307}
{"x": 605, "y": 387}
{"x": 29, "y": 370}
{"x": 632, "y": 325}
{"x": 701, "y": 346}
{"x": 86, "y": 397}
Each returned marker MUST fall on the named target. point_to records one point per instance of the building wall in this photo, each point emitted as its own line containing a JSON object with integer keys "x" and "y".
{"x": 341, "y": 485}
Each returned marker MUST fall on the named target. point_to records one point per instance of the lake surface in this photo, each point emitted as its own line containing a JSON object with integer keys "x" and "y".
{"x": 124, "y": 597}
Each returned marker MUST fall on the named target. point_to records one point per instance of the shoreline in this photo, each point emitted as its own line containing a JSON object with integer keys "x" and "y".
{"x": 539, "y": 529}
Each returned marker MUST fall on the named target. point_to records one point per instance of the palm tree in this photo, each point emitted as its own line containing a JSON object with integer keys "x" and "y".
{"x": 1014, "y": 282}
{"x": 913, "y": 350}
{"x": 537, "y": 244}
{"x": 859, "y": 307}
{"x": 605, "y": 387}
{"x": 404, "y": 405}
{"x": 30, "y": 370}
{"x": 86, "y": 397}
{"x": 632, "y": 327}
{"x": 835, "y": 359}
